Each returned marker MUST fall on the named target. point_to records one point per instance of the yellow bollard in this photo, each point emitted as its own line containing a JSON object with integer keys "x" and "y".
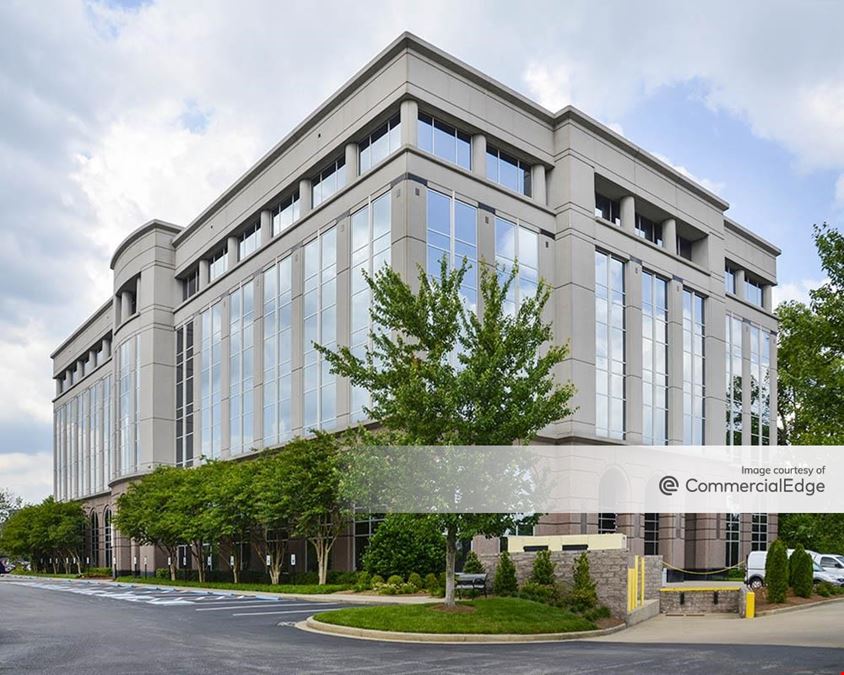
{"x": 750, "y": 605}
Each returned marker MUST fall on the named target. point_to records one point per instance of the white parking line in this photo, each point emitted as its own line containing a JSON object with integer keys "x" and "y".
{"x": 292, "y": 611}
{"x": 265, "y": 603}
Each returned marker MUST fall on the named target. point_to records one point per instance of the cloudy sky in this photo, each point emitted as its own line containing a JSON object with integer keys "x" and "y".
{"x": 112, "y": 113}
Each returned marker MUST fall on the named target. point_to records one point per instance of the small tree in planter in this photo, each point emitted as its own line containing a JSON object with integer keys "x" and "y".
{"x": 583, "y": 596}
{"x": 505, "y": 576}
{"x": 802, "y": 572}
{"x": 543, "y": 569}
{"x": 473, "y": 564}
{"x": 776, "y": 572}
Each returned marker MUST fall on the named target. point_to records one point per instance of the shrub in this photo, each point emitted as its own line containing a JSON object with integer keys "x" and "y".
{"x": 162, "y": 573}
{"x": 364, "y": 582}
{"x": 776, "y": 572}
{"x": 376, "y": 580}
{"x": 404, "y": 543}
{"x": 543, "y": 593}
{"x": 543, "y": 569}
{"x": 395, "y": 580}
{"x": 505, "y": 576}
{"x": 431, "y": 581}
{"x": 599, "y": 612}
{"x": 441, "y": 579}
{"x": 473, "y": 564}
{"x": 415, "y": 580}
{"x": 583, "y": 596}
{"x": 407, "y": 588}
{"x": 801, "y": 572}
{"x": 106, "y": 572}
{"x": 824, "y": 589}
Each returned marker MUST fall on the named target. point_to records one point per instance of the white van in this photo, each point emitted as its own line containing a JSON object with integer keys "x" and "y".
{"x": 755, "y": 577}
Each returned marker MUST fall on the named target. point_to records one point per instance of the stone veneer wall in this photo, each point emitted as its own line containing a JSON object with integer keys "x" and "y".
{"x": 607, "y": 568}
{"x": 699, "y": 602}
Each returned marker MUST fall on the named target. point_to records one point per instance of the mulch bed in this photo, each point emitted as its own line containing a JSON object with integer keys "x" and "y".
{"x": 762, "y": 603}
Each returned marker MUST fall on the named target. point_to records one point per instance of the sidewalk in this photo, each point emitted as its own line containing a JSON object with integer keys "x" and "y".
{"x": 346, "y": 597}
{"x": 819, "y": 626}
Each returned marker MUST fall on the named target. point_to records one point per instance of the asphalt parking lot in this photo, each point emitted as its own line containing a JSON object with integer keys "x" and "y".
{"x": 73, "y": 627}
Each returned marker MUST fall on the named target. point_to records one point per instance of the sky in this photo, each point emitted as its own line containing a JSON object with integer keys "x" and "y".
{"x": 113, "y": 113}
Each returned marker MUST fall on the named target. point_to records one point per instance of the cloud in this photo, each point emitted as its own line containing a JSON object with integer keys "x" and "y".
{"x": 797, "y": 290}
{"x": 29, "y": 476}
{"x": 716, "y": 187}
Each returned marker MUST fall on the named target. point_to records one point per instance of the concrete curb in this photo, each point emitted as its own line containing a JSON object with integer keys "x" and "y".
{"x": 311, "y": 625}
{"x": 796, "y": 608}
{"x": 329, "y": 598}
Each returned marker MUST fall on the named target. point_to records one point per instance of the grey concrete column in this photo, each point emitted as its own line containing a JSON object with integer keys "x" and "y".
{"x": 675, "y": 362}
{"x": 537, "y": 184}
{"x": 409, "y": 113}
{"x": 306, "y": 196}
{"x": 204, "y": 273}
{"x": 125, "y": 305}
{"x": 297, "y": 343}
{"x": 225, "y": 377}
{"x": 768, "y": 297}
{"x": 740, "y": 280}
{"x": 669, "y": 235}
{"x": 59, "y": 385}
{"x": 92, "y": 358}
{"x": 343, "y": 316}
{"x": 106, "y": 348}
{"x": 115, "y": 308}
{"x": 633, "y": 348}
{"x": 352, "y": 162}
{"x": 266, "y": 226}
{"x": 232, "y": 245}
{"x": 479, "y": 155}
{"x": 628, "y": 213}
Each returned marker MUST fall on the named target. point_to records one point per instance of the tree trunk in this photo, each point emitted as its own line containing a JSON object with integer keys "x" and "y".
{"x": 450, "y": 560}
{"x": 173, "y": 561}
{"x": 236, "y": 566}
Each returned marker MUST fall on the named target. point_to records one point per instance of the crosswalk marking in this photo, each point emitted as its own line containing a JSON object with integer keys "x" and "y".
{"x": 291, "y": 611}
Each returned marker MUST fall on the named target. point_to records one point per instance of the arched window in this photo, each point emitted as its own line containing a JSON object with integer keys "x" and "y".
{"x": 109, "y": 559}
{"x": 95, "y": 539}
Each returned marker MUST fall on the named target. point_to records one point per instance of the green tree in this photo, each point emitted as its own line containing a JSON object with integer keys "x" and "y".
{"x": 440, "y": 374}
{"x": 9, "y": 504}
{"x": 505, "y": 582}
{"x": 150, "y": 512}
{"x": 193, "y": 502}
{"x": 405, "y": 543}
{"x": 271, "y": 511}
{"x": 810, "y": 354}
{"x": 583, "y": 595}
{"x": 776, "y": 572}
{"x": 820, "y": 532}
{"x": 543, "y": 569}
{"x": 311, "y": 479}
{"x": 473, "y": 564}
{"x": 801, "y": 572}
{"x": 231, "y": 511}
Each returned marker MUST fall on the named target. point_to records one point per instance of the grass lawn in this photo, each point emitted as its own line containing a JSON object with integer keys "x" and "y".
{"x": 24, "y": 573}
{"x": 493, "y": 615}
{"x": 228, "y": 586}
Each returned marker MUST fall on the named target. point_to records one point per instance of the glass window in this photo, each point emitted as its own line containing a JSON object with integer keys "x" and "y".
{"x": 210, "y": 380}
{"x": 508, "y": 171}
{"x": 379, "y": 144}
{"x": 654, "y": 359}
{"x": 693, "y": 363}
{"x": 286, "y": 214}
{"x": 241, "y": 359}
{"x": 608, "y": 209}
{"x": 444, "y": 141}
{"x": 651, "y": 534}
{"x": 453, "y": 235}
{"x": 516, "y": 243}
{"x": 760, "y": 386}
{"x": 607, "y": 523}
{"x": 732, "y": 525}
{"x": 729, "y": 280}
{"x": 320, "y": 327}
{"x": 365, "y": 526}
{"x": 733, "y": 336}
{"x": 249, "y": 240}
{"x": 278, "y": 352}
{"x": 370, "y": 243}
{"x": 610, "y": 359}
{"x": 128, "y": 405}
{"x": 753, "y": 292}
{"x": 328, "y": 181}
{"x": 190, "y": 285}
{"x": 759, "y": 532}
{"x": 684, "y": 247}
{"x": 184, "y": 394}
{"x": 648, "y": 229}
{"x": 218, "y": 264}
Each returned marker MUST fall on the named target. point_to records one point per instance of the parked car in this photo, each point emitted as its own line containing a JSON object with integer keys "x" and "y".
{"x": 755, "y": 577}
{"x": 830, "y": 562}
